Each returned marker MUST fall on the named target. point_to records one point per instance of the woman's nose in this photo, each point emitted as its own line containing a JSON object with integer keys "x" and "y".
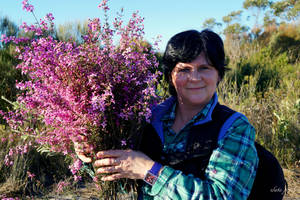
{"x": 194, "y": 75}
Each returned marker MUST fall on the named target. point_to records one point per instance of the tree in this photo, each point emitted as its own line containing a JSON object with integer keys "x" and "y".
{"x": 260, "y": 4}
{"x": 287, "y": 9}
{"x": 235, "y": 15}
{"x": 211, "y": 23}
{"x": 269, "y": 20}
{"x": 72, "y": 31}
{"x": 7, "y": 28}
{"x": 257, "y": 6}
{"x": 233, "y": 27}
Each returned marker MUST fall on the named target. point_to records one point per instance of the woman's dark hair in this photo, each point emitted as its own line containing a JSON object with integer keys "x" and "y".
{"x": 186, "y": 46}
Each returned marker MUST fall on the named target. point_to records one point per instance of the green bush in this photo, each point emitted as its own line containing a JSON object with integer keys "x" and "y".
{"x": 8, "y": 76}
{"x": 262, "y": 65}
{"x": 275, "y": 114}
{"x": 286, "y": 40}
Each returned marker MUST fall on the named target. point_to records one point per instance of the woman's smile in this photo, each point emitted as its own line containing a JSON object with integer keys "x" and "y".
{"x": 195, "y": 88}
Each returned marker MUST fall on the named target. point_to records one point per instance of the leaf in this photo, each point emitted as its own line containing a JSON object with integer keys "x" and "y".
{"x": 45, "y": 149}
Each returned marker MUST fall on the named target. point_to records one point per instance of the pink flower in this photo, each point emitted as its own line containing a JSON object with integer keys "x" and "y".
{"x": 7, "y": 161}
{"x": 11, "y": 152}
{"x": 123, "y": 143}
{"x": 49, "y": 17}
{"x": 77, "y": 178}
{"x": 2, "y": 38}
{"x": 103, "y": 5}
{"x": 26, "y": 6}
{"x": 95, "y": 179}
{"x": 30, "y": 175}
{"x": 94, "y": 26}
{"x": 25, "y": 149}
{"x": 76, "y": 166}
{"x": 61, "y": 185}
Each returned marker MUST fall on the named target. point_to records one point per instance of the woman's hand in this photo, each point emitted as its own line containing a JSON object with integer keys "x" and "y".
{"x": 82, "y": 149}
{"x": 122, "y": 164}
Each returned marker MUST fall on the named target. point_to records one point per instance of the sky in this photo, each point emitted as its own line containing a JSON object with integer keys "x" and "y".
{"x": 162, "y": 17}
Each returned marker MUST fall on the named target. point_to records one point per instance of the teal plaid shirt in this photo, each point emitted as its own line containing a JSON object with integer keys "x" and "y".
{"x": 230, "y": 172}
{"x": 176, "y": 142}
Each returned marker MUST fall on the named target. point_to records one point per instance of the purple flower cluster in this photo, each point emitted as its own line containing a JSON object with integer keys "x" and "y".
{"x": 9, "y": 198}
{"x": 103, "y": 5}
{"x": 100, "y": 88}
{"x": 61, "y": 185}
{"x": 18, "y": 150}
{"x": 26, "y": 6}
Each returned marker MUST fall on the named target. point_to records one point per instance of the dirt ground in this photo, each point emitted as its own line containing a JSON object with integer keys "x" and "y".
{"x": 89, "y": 191}
{"x": 293, "y": 179}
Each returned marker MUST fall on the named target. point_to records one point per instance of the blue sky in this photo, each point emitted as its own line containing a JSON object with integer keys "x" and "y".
{"x": 162, "y": 17}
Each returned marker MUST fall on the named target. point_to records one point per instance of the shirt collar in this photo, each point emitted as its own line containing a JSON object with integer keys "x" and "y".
{"x": 160, "y": 110}
{"x": 197, "y": 118}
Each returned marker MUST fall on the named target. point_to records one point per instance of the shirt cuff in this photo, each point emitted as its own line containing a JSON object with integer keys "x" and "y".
{"x": 161, "y": 180}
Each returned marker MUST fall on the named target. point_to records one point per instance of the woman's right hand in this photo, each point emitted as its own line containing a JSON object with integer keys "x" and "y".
{"x": 82, "y": 150}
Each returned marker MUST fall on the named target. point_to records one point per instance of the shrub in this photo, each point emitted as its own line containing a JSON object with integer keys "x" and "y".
{"x": 8, "y": 76}
{"x": 275, "y": 115}
{"x": 32, "y": 172}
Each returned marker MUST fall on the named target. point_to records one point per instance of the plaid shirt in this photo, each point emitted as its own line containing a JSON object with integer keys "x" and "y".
{"x": 230, "y": 172}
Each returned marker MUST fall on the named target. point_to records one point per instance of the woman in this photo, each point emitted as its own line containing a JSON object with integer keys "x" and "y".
{"x": 194, "y": 148}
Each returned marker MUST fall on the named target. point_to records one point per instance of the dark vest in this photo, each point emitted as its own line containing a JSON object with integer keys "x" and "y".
{"x": 201, "y": 142}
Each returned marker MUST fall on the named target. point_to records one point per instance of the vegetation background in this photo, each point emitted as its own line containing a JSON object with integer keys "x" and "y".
{"x": 263, "y": 83}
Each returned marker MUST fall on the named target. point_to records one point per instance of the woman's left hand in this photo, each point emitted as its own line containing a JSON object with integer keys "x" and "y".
{"x": 122, "y": 164}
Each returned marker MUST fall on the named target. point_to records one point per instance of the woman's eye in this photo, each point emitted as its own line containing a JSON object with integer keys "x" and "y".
{"x": 184, "y": 70}
{"x": 203, "y": 68}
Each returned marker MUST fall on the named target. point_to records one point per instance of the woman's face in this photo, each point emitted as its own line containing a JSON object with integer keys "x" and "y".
{"x": 195, "y": 82}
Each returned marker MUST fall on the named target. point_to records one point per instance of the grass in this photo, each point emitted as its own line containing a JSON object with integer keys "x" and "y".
{"x": 275, "y": 116}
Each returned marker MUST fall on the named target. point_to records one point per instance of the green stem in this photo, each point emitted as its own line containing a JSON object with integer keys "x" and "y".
{"x": 37, "y": 21}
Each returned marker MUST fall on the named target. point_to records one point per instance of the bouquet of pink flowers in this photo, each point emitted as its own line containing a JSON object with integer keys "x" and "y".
{"x": 102, "y": 88}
